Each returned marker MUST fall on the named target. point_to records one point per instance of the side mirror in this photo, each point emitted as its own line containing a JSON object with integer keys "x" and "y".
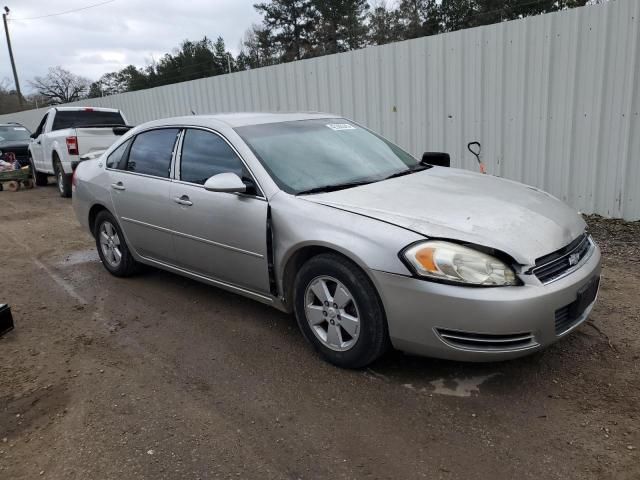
{"x": 225, "y": 182}
{"x": 439, "y": 159}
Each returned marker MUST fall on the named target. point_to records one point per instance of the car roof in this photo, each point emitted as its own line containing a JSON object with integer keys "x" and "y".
{"x": 240, "y": 119}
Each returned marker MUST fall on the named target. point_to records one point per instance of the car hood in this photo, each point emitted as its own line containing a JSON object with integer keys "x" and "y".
{"x": 522, "y": 221}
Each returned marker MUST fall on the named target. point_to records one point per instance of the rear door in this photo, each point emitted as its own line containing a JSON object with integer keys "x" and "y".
{"x": 219, "y": 235}
{"x": 141, "y": 188}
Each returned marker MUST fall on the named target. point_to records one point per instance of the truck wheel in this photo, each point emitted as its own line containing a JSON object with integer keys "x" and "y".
{"x": 40, "y": 179}
{"x": 13, "y": 186}
{"x": 62, "y": 179}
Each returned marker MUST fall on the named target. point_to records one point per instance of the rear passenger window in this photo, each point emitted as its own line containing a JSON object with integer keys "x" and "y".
{"x": 205, "y": 154}
{"x": 151, "y": 152}
{"x": 114, "y": 160}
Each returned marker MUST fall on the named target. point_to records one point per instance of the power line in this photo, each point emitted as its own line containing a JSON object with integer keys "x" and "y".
{"x": 65, "y": 12}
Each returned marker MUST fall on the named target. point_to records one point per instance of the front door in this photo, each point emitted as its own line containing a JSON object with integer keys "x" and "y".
{"x": 222, "y": 236}
{"x": 141, "y": 192}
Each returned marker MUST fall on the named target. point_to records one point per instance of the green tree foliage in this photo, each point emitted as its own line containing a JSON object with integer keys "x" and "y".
{"x": 292, "y": 23}
{"x": 383, "y": 24}
{"x": 418, "y": 18}
{"x": 341, "y": 25}
{"x": 257, "y": 49}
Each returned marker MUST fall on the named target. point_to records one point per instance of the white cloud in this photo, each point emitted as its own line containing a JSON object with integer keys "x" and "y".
{"x": 109, "y": 37}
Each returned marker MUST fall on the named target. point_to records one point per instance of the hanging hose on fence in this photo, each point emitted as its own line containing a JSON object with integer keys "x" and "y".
{"x": 476, "y": 152}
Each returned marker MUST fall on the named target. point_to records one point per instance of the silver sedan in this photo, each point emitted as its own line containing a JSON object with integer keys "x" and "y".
{"x": 368, "y": 246}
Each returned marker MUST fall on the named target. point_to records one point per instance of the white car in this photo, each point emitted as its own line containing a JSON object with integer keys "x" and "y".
{"x": 67, "y": 133}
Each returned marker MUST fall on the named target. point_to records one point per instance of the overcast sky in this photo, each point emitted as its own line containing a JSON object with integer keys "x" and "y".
{"x": 108, "y": 37}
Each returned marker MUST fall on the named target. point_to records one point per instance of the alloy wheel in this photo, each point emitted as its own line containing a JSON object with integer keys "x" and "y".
{"x": 332, "y": 313}
{"x": 110, "y": 244}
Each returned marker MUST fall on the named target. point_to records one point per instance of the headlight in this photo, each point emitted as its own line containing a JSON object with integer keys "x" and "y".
{"x": 454, "y": 263}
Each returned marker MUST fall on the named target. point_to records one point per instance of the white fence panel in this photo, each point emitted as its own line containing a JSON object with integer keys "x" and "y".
{"x": 553, "y": 99}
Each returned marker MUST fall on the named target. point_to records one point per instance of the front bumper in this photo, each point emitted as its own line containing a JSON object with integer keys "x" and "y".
{"x": 480, "y": 324}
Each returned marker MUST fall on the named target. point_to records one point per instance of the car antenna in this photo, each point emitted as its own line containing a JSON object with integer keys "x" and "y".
{"x": 193, "y": 112}
{"x": 476, "y": 152}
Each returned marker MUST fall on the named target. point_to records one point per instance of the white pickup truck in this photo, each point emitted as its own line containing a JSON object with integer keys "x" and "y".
{"x": 67, "y": 133}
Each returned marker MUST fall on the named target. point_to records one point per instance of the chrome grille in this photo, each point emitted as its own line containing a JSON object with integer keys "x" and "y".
{"x": 486, "y": 342}
{"x": 556, "y": 265}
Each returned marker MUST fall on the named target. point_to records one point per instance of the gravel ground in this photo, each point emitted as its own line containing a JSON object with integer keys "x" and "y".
{"x": 161, "y": 377}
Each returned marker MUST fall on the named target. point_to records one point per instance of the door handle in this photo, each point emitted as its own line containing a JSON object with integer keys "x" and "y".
{"x": 118, "y": 186}
{"x": 183, "y": 200}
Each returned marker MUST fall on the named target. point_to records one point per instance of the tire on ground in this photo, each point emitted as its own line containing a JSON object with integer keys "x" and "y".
{"x": 373, "y": 338}
{"x": 40, "y": 179}
{"x": 127, "y": 266}
{"x": 63, "y": 181}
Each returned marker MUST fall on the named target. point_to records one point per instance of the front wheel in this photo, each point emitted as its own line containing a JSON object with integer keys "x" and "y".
{"x": 40, "y": 179}
{"x": 339, "y": 312}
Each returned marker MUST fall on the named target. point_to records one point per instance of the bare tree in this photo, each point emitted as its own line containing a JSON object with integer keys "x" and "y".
{"x": 8, "y": 98}
{"x": 61, "y": 86}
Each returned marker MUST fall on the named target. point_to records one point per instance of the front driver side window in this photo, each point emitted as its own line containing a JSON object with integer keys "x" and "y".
{"x": 205, "y": 154}
{"x": 40, "y": 128}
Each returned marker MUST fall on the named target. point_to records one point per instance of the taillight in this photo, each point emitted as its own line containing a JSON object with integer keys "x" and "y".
{"x": 72, "y": 145}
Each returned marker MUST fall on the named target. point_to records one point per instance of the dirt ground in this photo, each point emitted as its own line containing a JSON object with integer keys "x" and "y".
{"x": 160, "y": 377}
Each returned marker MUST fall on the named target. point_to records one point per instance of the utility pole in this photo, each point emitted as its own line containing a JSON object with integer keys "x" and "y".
{"x": 13, "y": 63}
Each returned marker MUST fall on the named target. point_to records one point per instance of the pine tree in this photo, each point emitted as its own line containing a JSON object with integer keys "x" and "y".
{"x": 292, "y": 23}
{"x": 417, "y": 18}
{"x": 383, "y": 24}
{"x": 341, "y": 25}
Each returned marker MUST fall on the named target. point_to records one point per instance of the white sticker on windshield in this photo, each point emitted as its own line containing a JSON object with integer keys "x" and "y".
{"x": 22, "y": 129}
{"x": 340, "y": 126}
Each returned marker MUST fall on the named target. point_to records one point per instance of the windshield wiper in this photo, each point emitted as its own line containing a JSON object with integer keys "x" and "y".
{"x": 333, "y": 188}
{"x": 417, "y": 168}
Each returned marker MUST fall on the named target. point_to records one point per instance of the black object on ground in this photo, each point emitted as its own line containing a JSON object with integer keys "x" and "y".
{"x": 6, "y": 320}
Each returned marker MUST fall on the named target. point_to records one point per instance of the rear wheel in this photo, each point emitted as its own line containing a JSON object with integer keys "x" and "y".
{"x": 62, "y": 179}
{"x": 339, "y": 311}
{"x": 40, "y": 179}
{"x": 112, "y": 248}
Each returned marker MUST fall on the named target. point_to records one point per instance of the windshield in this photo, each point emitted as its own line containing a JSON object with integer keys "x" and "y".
{"x": 12, "y": 133}
{"x": 306, "y": 155}
{"x": 85, "y": 118}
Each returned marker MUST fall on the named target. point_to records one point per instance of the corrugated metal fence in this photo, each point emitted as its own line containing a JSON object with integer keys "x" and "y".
{"x": 553, "y": 99}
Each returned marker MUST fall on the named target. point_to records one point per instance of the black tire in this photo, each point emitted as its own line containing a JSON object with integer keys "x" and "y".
{"x": 373, "y": 338}
{"x": 40, "y": 179}
{"x": 63, "y": 181}
{"x": 127, "y": 265}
